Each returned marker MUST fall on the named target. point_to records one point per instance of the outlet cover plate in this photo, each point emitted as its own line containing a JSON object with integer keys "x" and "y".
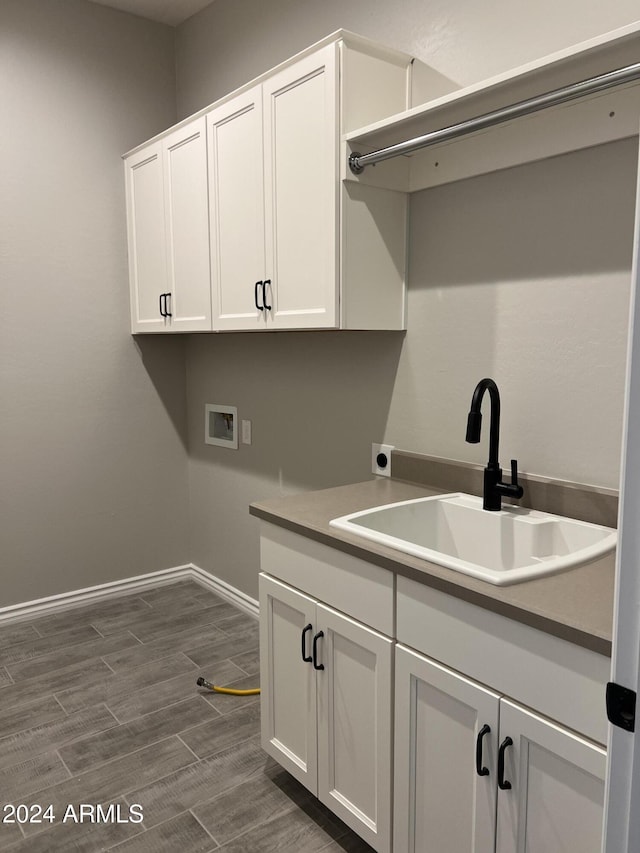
{"x": 382, "y": 470}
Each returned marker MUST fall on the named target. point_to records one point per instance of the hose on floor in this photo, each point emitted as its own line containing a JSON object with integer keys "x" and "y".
{"x": 201, "y": 682}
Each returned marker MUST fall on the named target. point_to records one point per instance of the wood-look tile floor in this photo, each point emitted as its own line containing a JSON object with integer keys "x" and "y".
{"x": 99, "y": 705}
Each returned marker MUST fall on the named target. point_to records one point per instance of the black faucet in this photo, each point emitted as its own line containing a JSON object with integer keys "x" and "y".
{"x": 494, "y": 488}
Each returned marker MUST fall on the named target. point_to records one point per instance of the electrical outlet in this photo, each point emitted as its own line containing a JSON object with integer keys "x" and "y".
{"x": 381, "y": 459}
{"x": 246, "y": 432}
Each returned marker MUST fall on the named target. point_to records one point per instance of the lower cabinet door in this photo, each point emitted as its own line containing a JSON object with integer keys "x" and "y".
{"x": 556, "y": 800}
{"x": 446, "y": 730}
{"x": 288, "y": 683}
{"x": 354, "y": 725}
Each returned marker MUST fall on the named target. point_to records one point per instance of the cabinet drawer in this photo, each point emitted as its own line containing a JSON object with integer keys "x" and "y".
{"x": 352, "y": 586}
{"x": 559, "y": 679}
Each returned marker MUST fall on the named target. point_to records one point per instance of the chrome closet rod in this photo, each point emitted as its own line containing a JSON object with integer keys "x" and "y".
{"x": 357, "y": 162}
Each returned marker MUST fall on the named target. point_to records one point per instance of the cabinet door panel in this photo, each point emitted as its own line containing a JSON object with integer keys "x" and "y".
{"x": 146, "y": 235}
{"x": 187, "y": 220}
{"x": 354, "y": 725}
{"x": 557, "y": 794}
{"x": 236, "y": 199}
{"x": 301, "y": 195}
{"x": 288, "y": 697}
{"x": 441, "y": 804}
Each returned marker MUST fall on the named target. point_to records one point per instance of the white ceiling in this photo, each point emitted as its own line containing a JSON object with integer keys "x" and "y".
{"x": 172, "y": 12}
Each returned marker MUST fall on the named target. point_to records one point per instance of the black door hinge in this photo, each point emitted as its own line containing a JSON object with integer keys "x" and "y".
{"x": 621, "y": 706}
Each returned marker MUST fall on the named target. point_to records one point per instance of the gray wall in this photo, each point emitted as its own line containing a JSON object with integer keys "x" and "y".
{"x": 93, "y": 472}
{"x": 232, "y": 41}
{"x": 522, "y": 275}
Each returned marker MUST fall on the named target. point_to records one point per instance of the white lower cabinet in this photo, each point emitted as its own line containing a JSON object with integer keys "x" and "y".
{"x": 326, "y": 706}
{"x": 556, "y": 799}
{"x": 288, "y": 684}
{"x": 441, "y": 804}
{"x": 390, "y": 699}
{"x": 475, "y": 772}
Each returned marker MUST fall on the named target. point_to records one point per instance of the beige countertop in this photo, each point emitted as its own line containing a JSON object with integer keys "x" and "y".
{"x": 576, "y": 605}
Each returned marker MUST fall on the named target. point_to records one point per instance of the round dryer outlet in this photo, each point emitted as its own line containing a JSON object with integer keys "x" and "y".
{"x": 381, "y": 459}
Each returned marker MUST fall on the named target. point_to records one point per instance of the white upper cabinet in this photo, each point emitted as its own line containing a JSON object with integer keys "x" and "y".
{"x": 146, "y": 234}
{"x": 301, "y": 193}
{"x": 187, "y": 227}
{"x": 168, "y": 228}
{"x": 236, "y": 211}
{"x": 273, "y": 227}
{"x": 239, "y": 218}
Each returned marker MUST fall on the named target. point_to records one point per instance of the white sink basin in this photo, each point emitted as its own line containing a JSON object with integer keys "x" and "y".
{"x": 504, "y": 547}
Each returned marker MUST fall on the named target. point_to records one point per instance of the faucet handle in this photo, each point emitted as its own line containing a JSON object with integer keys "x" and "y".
{"x": 516, "y": 489}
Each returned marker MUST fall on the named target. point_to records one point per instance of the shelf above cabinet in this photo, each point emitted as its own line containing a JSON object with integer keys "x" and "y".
{"x": 592, "y": 120}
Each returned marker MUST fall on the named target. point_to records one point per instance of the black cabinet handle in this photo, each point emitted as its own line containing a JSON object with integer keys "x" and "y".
{"x": 164, "y": 311}
{"x": 480, "y": 770}
{"x": 264, "y": 293}
{"x": 168, "y": 313}
{"x": 317, "y": 665}
{"x": 255, "y": 295}
{"x": 304, "y": 644}
{"x": 502, "y": 783}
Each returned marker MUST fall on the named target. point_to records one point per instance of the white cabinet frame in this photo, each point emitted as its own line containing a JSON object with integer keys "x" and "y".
{"x": 622, "y": 816}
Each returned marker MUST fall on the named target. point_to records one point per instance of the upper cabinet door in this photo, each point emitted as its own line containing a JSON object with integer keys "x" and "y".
{"x": 187, "y": 227}
{"x": 236, "y": 205}
{"x": 301, "y": 198}
{"x": 146, "y": 236}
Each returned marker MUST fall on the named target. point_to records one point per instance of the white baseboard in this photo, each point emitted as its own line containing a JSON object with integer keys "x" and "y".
{"x": 226, "y": 591}
{"x": 79, "y": 597}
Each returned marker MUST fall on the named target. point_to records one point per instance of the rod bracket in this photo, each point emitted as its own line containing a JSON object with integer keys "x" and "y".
{"x": 354, "y": 163}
